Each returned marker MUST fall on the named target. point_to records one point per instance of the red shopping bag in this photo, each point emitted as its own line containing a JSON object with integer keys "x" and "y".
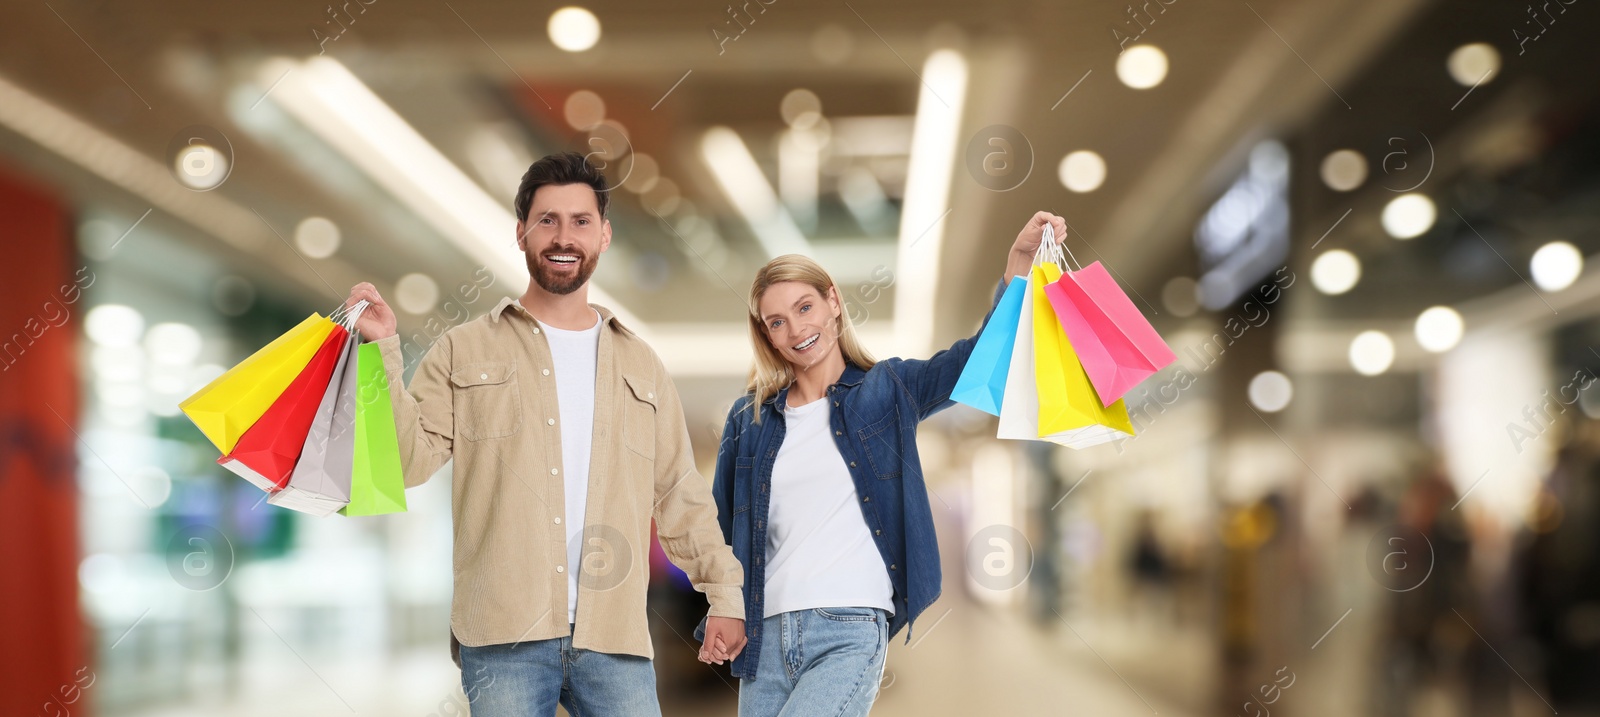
{"x": 266, "y": 453}
{"x": 1117, "y": 345}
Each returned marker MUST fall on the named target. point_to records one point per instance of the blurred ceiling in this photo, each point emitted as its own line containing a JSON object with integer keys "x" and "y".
{"x": 700, "y": 89}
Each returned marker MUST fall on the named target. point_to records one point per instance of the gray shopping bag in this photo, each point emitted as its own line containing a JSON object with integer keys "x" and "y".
{"x": 320, "y": 484}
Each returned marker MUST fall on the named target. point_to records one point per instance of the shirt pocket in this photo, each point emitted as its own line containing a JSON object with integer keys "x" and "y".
{"x": 488, "y": 401}
{"x": 744, "y": 468}
{"x": 639, "y": 416}
{"x": 881, "y": 442}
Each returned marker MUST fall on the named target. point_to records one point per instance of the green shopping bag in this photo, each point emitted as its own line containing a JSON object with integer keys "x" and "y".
{"x": 377, "y": 485}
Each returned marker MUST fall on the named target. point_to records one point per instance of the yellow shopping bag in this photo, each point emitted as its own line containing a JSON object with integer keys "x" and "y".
{"x": 1068, "y": 403}
{"x": 229, "y": 405}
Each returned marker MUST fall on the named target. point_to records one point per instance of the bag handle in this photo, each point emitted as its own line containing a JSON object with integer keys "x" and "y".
{"x": 348, "y": 316}
{"x": 338, "y": 312}
{"x": 1050, "y": 250}
{"x": 1061, "y": 245}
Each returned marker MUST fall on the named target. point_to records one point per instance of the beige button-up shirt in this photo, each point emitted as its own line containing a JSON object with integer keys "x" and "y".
{"x": 485, "y": 396}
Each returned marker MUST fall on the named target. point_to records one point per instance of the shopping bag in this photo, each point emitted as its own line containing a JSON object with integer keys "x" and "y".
{"x": 225, "y": 408}
{"x": 1019, "y": 411}
{"x": 320, "y": 483}
{"x": 266, "y": 453}
{"x": 377, "y": 485}
{"x": 982, "y": 383}
{"x": 1070, "y": 413}
{"x": 1116, "y": 344}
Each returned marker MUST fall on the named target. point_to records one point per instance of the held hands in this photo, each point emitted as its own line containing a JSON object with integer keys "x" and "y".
{"x": 724, "y": 639}
{"x": 1020, "y": 260}
{"x": 377, "y": 321}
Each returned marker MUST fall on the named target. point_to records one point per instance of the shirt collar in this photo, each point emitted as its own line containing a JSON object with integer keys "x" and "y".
{"x": 851, "y": 377}
{"x": 510, "y": 303}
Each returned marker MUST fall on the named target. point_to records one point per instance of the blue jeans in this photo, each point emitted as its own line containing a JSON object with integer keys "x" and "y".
{"x": 822, "y": 662}
{"x": 528, "y": 679}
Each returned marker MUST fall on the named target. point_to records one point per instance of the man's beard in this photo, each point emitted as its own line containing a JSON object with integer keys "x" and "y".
{"x": 561, "y": 285}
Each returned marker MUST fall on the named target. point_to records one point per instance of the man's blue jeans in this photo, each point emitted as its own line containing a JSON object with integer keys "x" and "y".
{"x": 825, "y": 661}
{"x": 528, "y": 679}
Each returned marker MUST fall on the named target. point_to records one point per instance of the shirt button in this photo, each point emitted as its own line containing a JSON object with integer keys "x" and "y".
{"x": 875, "y": 532}
{"x": 547, "y": 372}
{"x": 838, "y": 433}
{"x": 536, "y": 329}
{"x": 891, "y": 567}
{"x": 558, "y": 521}
{"x": 867, "y": 499}
{"x": 483, "y": 376}
{"x": 835, "y": 403}
{"x": 555, "y": 471}
{"x": 852, "y": 464}
{"x": 560, "y": 569}
{"x": 649, "y": 395}
{"x": 550, "y": 421}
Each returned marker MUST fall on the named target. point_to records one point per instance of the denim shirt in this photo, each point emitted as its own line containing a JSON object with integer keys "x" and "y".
{"x": 874, "y": 419}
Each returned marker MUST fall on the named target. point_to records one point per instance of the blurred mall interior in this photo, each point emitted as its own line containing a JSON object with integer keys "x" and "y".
{"x": 1370, "y": 485}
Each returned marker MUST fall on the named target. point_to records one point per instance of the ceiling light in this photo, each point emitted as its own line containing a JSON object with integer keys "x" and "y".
{"x": 800, "y": 108}
{"x": 1439, "y": 329}
{"x": 317, "y": 237}
{"x": 1181, "y": 296}
{"x": 1082, "y": 171}
{"x": 416, "y": 293}
{"x": 935, "y": 144}
{"x": 735, "y": 170}
{"x": 583, "y": 109}
{"x": 322, "y": 94}
{"x": 1142, "y": 66}
{"x": 1270, "y": 391}
{"x": 1556, "y": 265}
{"x": 1335, "y": 272}
{"x": 1344, "y": 170}
{"x": 1408, "y": 216}
{"x": 574, "y": 29}
{"x": 200, "y": 166}
{"x": 643, "y": 173}
{"x": 1371, "y": 353}
{"x": 1474, "y": 64}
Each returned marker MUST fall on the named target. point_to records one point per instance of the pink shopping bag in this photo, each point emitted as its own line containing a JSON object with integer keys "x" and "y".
{"x": 1117, "y": 345}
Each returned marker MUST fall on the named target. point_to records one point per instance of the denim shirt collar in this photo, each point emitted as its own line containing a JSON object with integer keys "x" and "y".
{"x": 851, "y": 378}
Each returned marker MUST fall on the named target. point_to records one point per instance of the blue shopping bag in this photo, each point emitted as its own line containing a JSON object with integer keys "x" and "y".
{"x": 983, "y": 379}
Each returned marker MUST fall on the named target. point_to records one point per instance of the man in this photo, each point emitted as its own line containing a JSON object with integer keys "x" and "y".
{"x": 568, "y": 438}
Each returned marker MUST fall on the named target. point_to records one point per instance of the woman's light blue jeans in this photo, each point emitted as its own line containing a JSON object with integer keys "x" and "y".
{"x": 822, "y": 662}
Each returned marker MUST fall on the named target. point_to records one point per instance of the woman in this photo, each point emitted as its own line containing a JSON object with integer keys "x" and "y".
{"x": 820, "y": 492}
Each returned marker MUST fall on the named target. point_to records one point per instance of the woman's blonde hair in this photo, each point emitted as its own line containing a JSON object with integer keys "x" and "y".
{"x": 771, "y": 372}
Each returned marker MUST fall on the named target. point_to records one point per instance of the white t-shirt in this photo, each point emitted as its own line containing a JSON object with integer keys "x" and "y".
{"x": 819, "y": 550}
{"x": 574, "y": 354}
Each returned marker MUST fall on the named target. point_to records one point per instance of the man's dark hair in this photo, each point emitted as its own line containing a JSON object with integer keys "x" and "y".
{"x": 564, "y": 168}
